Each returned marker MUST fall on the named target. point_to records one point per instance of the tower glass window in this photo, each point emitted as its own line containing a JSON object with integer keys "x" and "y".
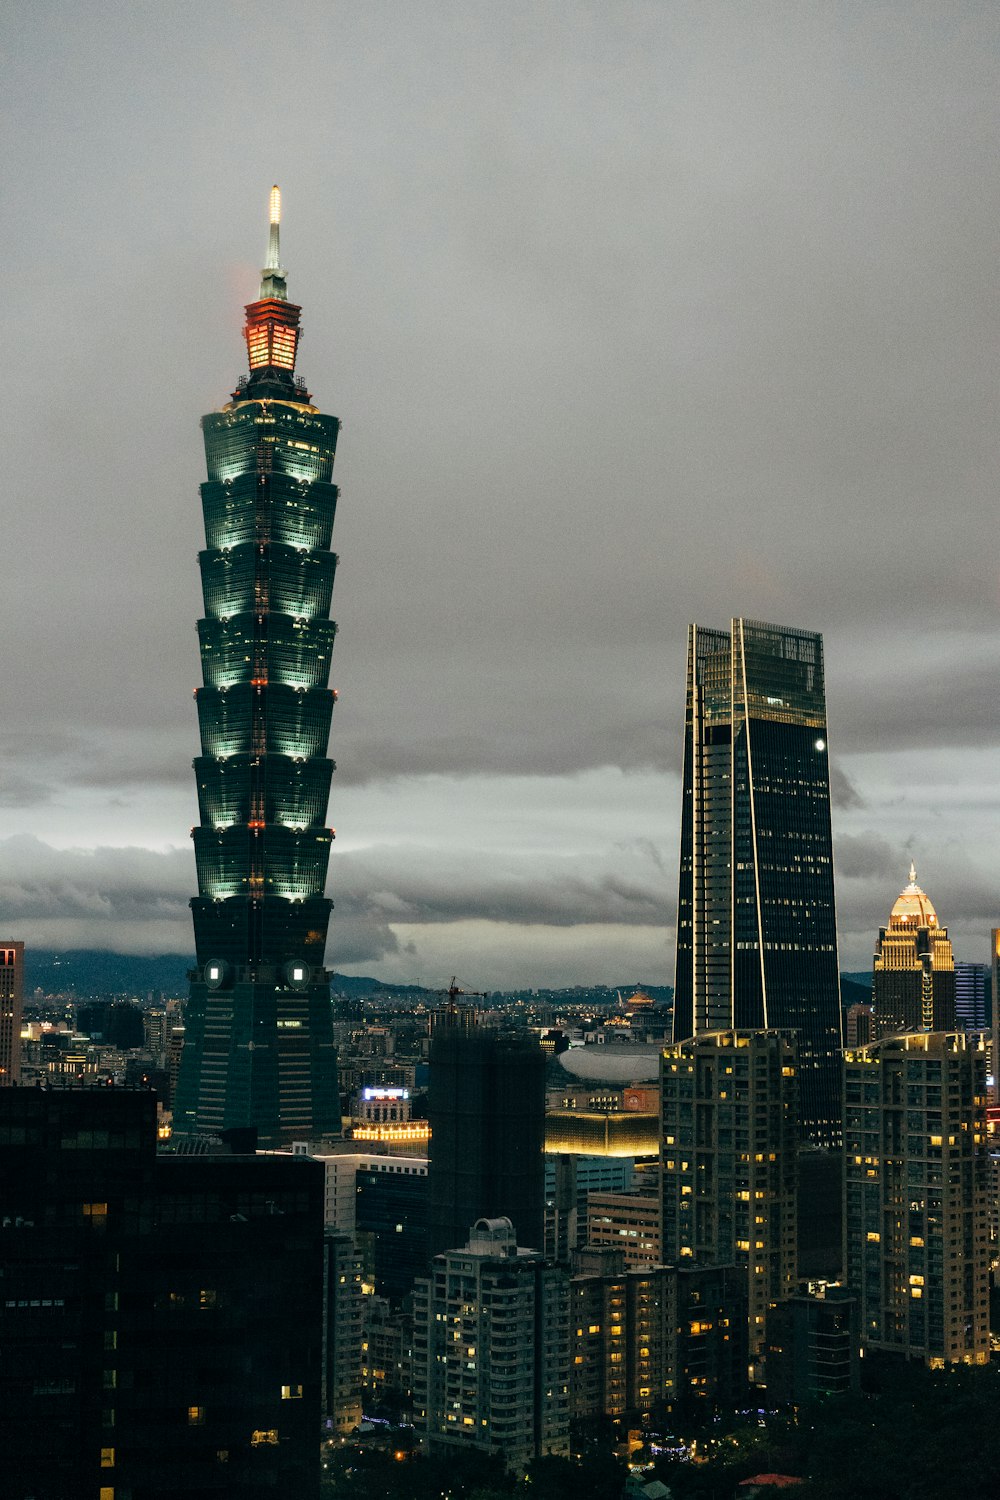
{"x": 756, "y": 923}
{"x": 258, "y": 1046}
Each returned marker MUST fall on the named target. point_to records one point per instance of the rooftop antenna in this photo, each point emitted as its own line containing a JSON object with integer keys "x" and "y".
{"x": 272, "y": 278}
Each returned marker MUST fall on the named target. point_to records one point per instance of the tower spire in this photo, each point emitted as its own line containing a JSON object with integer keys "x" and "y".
{"x": 272, "y": 278}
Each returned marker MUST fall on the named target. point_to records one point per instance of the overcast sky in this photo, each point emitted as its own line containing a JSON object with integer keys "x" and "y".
{"x": 634, "y": 314}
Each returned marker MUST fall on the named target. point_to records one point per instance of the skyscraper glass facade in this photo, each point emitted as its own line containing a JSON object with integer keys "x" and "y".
{"x": 258, "y": 1047}
{"x": 756, "y": 928}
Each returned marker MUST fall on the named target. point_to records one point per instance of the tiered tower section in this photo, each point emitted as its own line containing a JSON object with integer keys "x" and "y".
{"x": 258, "y": 1047}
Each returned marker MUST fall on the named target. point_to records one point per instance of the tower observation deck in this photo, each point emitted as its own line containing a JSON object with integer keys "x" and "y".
{"x": 258, "y": 1046}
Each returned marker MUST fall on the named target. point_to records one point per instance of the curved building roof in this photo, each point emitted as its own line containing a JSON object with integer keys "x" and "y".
{"x": 913, "y": 906}
{"x": 600, "y": 1063}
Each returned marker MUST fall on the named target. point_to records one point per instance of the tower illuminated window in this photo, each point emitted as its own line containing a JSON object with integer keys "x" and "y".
{"x": 756, "y": 924}
{"x": 258, "y": 1047}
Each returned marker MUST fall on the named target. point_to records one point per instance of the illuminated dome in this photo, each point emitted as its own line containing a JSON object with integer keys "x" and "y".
{"x": 913, "y": 907}
{"x": 612, "y": 1064}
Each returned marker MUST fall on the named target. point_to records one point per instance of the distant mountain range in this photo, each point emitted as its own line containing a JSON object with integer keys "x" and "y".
{"x": 90, "y": 971}
{"x": 95, "y": 971}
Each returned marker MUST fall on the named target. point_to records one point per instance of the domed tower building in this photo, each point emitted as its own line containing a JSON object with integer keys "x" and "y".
{"x": 913, "y": 987}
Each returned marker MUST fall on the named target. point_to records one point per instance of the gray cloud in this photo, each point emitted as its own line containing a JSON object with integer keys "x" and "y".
{"x": 635, "y": 315}
{"x": 843, "y": 792}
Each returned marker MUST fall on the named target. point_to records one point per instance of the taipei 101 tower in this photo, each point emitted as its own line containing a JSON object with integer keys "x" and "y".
{"x": 258, "y": 1045}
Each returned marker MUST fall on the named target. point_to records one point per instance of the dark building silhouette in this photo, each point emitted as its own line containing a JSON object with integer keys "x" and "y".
{"x": 756, "y": 927}
{"x": 813, "y": 1348}
{"x": 858, "y": 1030}
{"x": 258, "y": 1045}
{"x": 913, "y": 983}
{"x": 972, "y": 996}
{"x": 486, "y": 1107}
{"x": 712, "y": 1337}
{"x": 11, "y": 1011}
{"x": 92, "y": 1018}
{"x": 162, "y": 1318}
{"x": 125, "y": 1026}
{"x": 391, "y": 1229}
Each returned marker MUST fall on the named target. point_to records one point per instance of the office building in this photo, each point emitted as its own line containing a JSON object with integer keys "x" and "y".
{"x": 491, "y": 1361}
{"x": 729, "y": 1162}
{"x": 916, "y": 1195}
{"x": 602, "y": 1132}
{"x": 913, "y": 984}
{"x": 390, "y": 1218}
{"x": 486, "y": 1109}
{"x": 629, "y": 1222}
{"x": 569, "y": 1181}
{"x": 11, "y": 1011}
{"x": 756, "y": 924}
{"x": 258, "y": 1045}
{"x": 858, "y": 1025}
{"x": 131, "y": 1365}
{"x": 972, "y": 996}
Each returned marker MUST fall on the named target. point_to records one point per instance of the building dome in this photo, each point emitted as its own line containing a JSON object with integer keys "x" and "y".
{"x": 913, "y": 907}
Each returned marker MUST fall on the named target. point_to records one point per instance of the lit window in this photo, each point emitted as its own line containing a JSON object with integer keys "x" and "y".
{"x": 291, "y": 1393}
{"x": 196, "y": 1416}
{"x": 107, "y": 1458}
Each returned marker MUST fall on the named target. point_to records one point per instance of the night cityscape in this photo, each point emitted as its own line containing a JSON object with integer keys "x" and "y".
{"x": 608, "y": 1108}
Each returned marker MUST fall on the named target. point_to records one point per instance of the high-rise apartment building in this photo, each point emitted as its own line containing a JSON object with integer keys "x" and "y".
{"x": 913, "y": 984}
{"x": 669, "y": 1336}
{"x": 486, "y": 1107}
{"x": 916, "y": 1195}
{"x": 11, "y": 1011}
{"x": 258, "y": 1044}
{"x": 491, "y": 1360}
{"x": 756, "y": 925}
{"x": 343, "y": 1342}
{"x": 730, "y": 1143}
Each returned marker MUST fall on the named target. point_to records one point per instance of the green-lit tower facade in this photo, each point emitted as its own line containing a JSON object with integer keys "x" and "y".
{"x": 258, "y": 1045}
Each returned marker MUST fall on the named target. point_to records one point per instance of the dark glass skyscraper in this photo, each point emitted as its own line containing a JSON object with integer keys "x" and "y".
{"x": 486, "y": 1107}
{"x": 258, "y": 1046}
{"x": 756, "y": 924}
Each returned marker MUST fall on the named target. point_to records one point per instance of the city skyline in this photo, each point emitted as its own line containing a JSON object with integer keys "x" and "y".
{"x": 587, "y": 293}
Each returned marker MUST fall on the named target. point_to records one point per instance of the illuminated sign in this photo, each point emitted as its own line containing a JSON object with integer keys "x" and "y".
{"x": 385, "y": 1093}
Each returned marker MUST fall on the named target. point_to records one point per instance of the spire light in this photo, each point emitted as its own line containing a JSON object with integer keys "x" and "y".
{"x": 276, "y": 204}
